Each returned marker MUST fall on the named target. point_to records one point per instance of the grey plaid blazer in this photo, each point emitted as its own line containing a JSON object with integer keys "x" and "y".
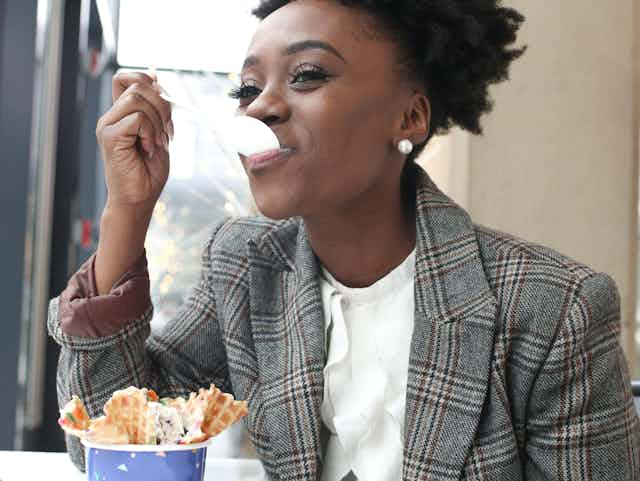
{"x": 516, "y": 371}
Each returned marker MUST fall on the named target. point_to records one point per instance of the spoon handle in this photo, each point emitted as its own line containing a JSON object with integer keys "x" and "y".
{"x": 180, "y": 105}
{"x": 201, "y": 119}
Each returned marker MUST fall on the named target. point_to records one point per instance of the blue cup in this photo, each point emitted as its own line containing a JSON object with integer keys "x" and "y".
{"x": 140, "y": 462}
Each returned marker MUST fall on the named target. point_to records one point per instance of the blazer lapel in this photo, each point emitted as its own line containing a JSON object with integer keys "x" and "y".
{"x": 288, "y": 330}
{"x": 452, "y": 342}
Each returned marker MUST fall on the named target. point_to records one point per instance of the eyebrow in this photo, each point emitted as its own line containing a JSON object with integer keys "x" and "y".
{"x": 295, "y": 48}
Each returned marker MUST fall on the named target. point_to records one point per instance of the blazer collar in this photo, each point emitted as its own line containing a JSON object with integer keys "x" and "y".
{"x": 451, "y": 344}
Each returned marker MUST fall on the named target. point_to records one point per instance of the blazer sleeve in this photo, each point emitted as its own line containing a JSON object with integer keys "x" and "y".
{"x": 187, "y": 354}
{"x": 582, "y": 424}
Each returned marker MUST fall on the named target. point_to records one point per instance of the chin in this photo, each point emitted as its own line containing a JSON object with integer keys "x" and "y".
{"x": 276, "y": 210}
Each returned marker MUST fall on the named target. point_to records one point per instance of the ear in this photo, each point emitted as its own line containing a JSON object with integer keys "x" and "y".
{"x": 417, "y": 119}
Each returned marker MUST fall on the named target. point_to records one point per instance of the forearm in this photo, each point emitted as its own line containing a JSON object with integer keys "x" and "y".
{"x": 107, "y": 344}
{"x": 92, "y": 368}
{"x": 121, "y": 243}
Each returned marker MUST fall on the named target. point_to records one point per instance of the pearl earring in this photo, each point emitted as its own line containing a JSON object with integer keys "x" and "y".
{"x": 405, "y": 146}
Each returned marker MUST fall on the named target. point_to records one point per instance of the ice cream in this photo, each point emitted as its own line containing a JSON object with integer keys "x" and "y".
{"x": 138, "y": 416}
{"x": 168, "y": 423}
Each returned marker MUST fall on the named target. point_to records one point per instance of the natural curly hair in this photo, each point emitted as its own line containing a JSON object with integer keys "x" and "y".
{"x": 454, "y": 49}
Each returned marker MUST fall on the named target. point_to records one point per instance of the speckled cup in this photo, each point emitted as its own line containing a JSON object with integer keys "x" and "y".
{"x": 169, "y": 462}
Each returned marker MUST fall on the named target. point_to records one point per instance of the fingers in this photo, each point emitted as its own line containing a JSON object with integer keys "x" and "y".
{"x": 123, "y": 80}
{"x": 124, "y": 133}
{"x": 143, "y": 97}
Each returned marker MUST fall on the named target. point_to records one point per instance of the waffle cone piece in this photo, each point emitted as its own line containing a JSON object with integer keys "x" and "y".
{"x": 127, "y": 409}
{"x": 74, "y": 418}
{"x": 209, "y": 413}
{"x": 220, "y": 410}
{"x": 103, "y": 430}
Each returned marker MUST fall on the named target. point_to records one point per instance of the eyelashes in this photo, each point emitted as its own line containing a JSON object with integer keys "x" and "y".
{"x": 243, "y": 91}
{"x": 310, "y": 72}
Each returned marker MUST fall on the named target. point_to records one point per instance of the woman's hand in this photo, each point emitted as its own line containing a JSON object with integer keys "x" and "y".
{"x": 134, "y": 138}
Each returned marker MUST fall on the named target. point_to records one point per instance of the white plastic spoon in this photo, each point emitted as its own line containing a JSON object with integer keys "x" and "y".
{"x": 242, "y": 134}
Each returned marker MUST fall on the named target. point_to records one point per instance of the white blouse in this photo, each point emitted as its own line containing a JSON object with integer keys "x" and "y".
{"x": 368, "y": 332}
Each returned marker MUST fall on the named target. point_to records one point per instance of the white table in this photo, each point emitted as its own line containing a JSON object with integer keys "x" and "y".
{"x": 36, "y": 466}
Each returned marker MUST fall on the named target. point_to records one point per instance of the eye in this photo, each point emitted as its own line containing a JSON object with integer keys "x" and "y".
{"x": 244, "y": 91}
{"x": 309, "y": 72}
{"x": 303, "y": 73}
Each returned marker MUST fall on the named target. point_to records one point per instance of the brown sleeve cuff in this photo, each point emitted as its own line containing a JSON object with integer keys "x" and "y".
{"x": 83, "y": 313}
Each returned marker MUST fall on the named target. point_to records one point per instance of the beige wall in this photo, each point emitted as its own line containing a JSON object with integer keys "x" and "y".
{"x": 558, "y": 160}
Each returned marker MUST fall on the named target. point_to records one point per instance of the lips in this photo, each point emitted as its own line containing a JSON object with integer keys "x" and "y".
{"x": 267, "y": 159}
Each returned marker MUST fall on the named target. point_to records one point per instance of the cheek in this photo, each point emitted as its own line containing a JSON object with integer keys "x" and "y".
{"x": 352, "y": 149}
{"x": 356, "y": 132}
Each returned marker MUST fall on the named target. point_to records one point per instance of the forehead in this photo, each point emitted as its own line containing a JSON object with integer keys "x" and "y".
{"x": 351, "y": 31}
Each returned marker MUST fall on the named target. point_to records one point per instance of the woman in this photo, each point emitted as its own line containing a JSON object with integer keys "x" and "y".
{"x": 374, "y": 330}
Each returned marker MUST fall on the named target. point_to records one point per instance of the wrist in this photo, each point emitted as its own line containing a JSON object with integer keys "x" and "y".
{"x": 124, "y": 213}
{"x": 124, "y": 228}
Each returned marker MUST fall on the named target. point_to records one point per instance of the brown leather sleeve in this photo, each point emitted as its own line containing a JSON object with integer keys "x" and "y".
{"x": 83, "y": 313}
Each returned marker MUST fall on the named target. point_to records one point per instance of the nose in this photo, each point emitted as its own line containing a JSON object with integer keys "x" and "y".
{"x": 269, "y": 107}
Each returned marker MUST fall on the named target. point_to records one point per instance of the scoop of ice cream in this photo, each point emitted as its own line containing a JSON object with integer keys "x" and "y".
{"x": 168, "y": 423}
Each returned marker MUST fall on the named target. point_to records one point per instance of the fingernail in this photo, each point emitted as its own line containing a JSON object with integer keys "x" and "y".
{"x": 159, "y": 139}
{"x": 165, "y": 141}
{"x": 170, "y": 130}
{"x": 151, "y": 153}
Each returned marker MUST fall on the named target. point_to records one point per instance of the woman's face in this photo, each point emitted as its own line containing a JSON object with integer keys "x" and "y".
{"x": 332, "y": 95}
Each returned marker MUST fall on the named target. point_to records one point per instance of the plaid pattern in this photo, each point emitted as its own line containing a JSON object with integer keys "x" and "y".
{"x": 515, "y": 372}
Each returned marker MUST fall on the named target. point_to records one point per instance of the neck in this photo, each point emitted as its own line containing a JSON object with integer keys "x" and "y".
{"x": 362, "y": 243}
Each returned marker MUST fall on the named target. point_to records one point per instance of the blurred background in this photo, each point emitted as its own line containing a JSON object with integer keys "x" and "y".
{"x": 557, "y": 164}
